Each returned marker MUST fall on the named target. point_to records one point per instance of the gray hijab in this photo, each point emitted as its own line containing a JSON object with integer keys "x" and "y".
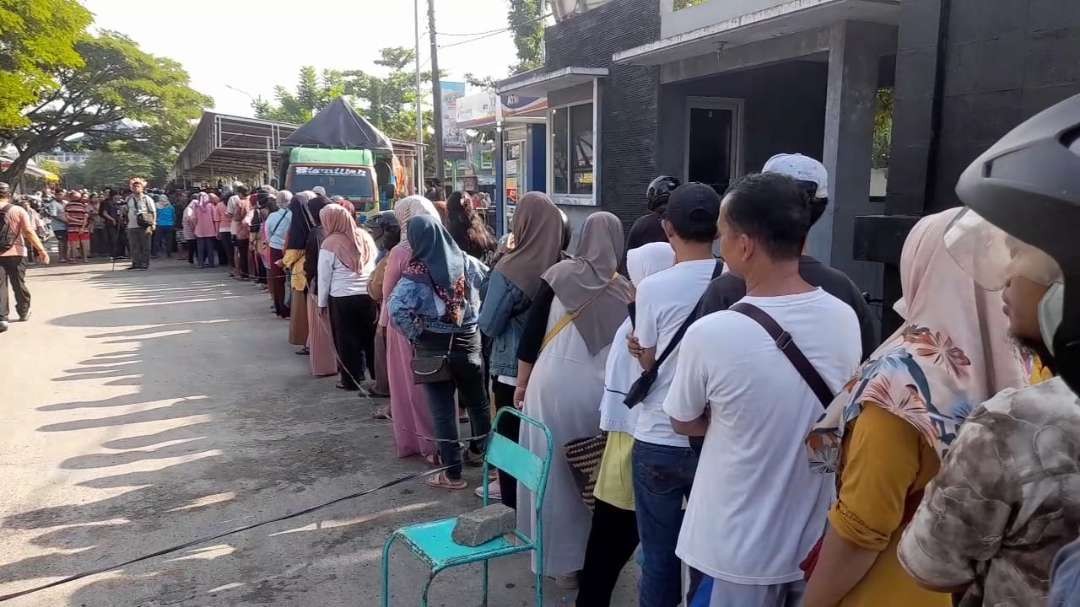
{"x": 589, "y": 285}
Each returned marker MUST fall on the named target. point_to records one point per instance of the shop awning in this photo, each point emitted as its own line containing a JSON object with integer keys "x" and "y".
{"x": 538, "y": 83}
{"x": 232, "y": 145}
{"x": 773, "y": 22}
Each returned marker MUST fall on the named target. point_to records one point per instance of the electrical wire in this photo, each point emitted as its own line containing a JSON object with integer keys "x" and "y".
{"x": 501, "y": 29}
{"x": 209, "y": 538}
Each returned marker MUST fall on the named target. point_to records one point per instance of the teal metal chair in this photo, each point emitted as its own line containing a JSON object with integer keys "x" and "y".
{"x": 433, "y": 541}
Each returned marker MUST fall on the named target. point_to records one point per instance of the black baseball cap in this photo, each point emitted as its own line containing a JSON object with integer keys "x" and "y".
{"x": 693, "y": 210}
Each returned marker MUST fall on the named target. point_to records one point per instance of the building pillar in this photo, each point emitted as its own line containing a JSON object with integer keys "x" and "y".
{"x": 855, "y": 49}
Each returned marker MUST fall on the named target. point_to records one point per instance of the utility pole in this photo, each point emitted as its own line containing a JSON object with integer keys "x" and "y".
{"x": 436, "y": 92}
{"x": 419, "y": 107}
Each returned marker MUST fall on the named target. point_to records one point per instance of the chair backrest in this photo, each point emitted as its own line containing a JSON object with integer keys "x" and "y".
{"x": 519, "y": 462}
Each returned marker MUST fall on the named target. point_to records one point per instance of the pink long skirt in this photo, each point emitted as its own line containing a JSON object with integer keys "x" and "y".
{"x": 408, "y": 404}
{"x": 320, "y": 339}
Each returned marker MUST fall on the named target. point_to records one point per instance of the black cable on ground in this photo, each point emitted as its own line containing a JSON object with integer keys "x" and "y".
{"x": 203, "y": 540}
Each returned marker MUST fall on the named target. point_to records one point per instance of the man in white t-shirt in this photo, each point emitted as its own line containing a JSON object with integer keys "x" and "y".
{"x": 756, "y": 509}
{"x": 663, "y": 463}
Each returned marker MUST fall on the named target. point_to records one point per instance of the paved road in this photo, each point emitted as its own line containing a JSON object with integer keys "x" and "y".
{"x": 141, "y": 410}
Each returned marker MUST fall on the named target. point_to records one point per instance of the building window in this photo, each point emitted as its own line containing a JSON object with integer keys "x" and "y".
{"x": 572, "y": 150}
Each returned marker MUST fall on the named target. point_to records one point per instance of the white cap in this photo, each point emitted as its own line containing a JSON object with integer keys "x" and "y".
{"x": 803, "y": 168}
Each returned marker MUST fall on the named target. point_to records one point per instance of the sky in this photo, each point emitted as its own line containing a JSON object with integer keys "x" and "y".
{"x": 215, "y": 39}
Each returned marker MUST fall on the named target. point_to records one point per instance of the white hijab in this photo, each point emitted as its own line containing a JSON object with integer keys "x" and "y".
{"x": 622, "y": 369}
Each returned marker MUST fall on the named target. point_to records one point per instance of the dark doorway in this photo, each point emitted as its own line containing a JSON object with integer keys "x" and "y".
{"x": 712, "y": 128}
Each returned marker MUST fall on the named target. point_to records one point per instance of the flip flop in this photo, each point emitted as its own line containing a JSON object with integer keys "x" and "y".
{"x": 441, "y": 481}
{"x": 381, "y": 413}
{"x": 433, "y": 460}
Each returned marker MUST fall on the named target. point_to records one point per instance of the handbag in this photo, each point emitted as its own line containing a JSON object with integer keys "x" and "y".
{"x": 143, "y": 219}
{"x": 809, "y": 374}
{"x": 584, "y": 455}
{"x": 641, "y": 386}
{"x": 430, "y": 368}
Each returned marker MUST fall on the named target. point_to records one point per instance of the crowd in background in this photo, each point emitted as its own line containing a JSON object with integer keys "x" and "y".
{"x": 747, "y": 422}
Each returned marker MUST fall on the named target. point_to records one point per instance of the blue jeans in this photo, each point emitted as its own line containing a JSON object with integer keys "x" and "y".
{"x": 662, "y": 478}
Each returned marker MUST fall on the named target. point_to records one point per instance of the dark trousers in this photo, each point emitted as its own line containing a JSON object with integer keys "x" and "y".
{"x": 509, "y": 426}
{"x": 225, "y": 251}
{"x": 139, "y": 243}
{"x": 352, "y": 320}
{"x": 191, "y": 246}
{"x": 205, "y": 247}
{"x": 61, "y": 243}
{"x": 277, "y": 283}
{"x": 97, "y": 243}
{"x": 663, "y": 477}
{"x": 260, "y": 268}
{"x": 162, "y": 244}
{"x": 467, "y": 377}
{"x": 13, "y": 270}
{"x": 612, "y": 541}
{"x": 242, "y": 257}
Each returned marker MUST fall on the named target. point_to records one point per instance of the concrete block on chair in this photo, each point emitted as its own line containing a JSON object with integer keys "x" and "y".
{"x": 484, "y": 524}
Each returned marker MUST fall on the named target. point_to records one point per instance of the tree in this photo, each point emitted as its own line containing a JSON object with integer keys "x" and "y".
{"x": 37, "y": 38}
{"x": 119, "y": 92}
{"x": 388, "y": 101}
{"x": 526, "y": 21}
{"x": 312, "y": 94}
{"x": 109, "y": 167}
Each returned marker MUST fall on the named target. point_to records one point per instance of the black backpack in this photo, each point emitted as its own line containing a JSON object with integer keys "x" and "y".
{"x": 8, "y": 237}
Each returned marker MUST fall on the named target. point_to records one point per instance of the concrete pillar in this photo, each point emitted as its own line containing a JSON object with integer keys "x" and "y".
{"x": 855, "y": 49}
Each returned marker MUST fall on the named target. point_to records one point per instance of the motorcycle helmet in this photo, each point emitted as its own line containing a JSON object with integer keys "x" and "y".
{"x": 658, "y": 191}
{"x": 1027, "y": 186}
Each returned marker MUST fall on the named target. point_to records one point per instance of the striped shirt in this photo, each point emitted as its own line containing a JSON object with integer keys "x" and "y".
{"x": 77, "y": 212}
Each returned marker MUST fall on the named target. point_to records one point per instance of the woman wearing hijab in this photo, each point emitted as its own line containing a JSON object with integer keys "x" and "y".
{"x": 346, "y": 259}
{"x": 436, "y": 304}
{"x": 537, "y": 235}
{"x": 578, "y": 308}
{"x": 187, "y": 224}
{"x": 320, "y": 343}
{"x": 408, "y": 404}
{"x": 206, "y": 229}
{"x": 293, "y": 260}
{"x": 387, "y": 233}
{"x": 613, "y": 536}
{"x": 276, "y": 228}
{"x": 886, "y": 433}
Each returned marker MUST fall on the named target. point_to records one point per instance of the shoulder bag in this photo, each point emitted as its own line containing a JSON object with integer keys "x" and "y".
{"x": 433, "y": 368}
{"x": 809, "y": 374}
{"x": 143, "y": 219}
{"x": 640, "y": 389}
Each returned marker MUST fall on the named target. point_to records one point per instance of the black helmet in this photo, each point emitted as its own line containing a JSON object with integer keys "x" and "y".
{"x": 659, "y": 189}
{"x": 1028, "y": 184}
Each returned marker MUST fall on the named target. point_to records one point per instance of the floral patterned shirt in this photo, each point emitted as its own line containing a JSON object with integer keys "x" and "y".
{"x": 1006, "y": 500}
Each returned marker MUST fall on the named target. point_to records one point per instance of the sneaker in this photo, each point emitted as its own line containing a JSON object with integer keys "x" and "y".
{"x": 493, "y": 491}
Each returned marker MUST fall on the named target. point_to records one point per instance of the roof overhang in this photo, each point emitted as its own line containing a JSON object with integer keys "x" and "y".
{"x": 780, "y": 20}
{"x": 542, "y": 83}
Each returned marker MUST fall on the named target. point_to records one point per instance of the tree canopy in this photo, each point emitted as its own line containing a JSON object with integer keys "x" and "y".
{"x": 525, "y": 20}
{"x": 120, "y": 92}
{"x": 109, "y": 167}
{"x": 312, "y": 94}
{"x": 37, "y": 38}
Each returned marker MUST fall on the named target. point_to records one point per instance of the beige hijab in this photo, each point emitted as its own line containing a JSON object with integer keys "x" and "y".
{"x": 589, "y": 285}
{"x": 952, "y": 353}
{"x": 410, "y": 207}
{"x": 537, "y": 237}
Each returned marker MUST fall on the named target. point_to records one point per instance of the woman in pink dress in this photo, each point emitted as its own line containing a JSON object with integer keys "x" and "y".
{"x": 408, "y": 405}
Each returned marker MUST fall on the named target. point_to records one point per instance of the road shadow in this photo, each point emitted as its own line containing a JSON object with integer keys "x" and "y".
{"x": 224, "y": 426}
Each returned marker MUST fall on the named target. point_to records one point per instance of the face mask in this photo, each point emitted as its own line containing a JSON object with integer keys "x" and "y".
{"x": 1051, "y": 313}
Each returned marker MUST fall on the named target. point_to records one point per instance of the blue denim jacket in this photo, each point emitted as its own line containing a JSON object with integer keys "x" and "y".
{"x": 415, "y": 308}
{"x": 502, "y": 318}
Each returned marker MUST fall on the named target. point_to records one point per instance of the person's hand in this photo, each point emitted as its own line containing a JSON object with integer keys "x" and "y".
{"x": 43, "y": 256}
{"x": 634, "y": 346}
{"x": 519, "y": 397}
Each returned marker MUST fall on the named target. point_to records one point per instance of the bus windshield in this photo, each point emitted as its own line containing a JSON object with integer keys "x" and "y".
{"x": 350, "y": 182}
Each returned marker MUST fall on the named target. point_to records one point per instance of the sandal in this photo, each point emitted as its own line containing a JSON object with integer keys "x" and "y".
{"x": 381, "y": 413}
{"x": 441, "y": 481}
{"x": 433, "y": 460}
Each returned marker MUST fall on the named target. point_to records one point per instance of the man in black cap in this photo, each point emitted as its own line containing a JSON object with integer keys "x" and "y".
{"x": 663, "y": 462}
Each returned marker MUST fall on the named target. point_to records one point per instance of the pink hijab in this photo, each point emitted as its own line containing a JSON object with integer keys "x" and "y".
{"x": 353, "y": 246}
{"x": 952, "y": 353}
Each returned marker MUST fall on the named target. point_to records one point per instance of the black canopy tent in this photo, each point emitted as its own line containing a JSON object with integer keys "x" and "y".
{"x": 338, "y": 125}
{"x": 225, "y": 146}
